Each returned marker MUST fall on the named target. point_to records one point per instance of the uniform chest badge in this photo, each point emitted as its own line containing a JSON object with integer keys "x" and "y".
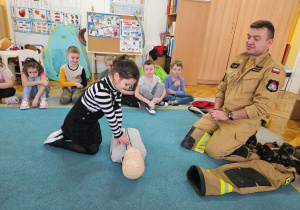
{"x": 272, "y": 85}
{"x": 234, "y": 65}
{"x": 274, "y": 70}
{"x": 257, "y": 68}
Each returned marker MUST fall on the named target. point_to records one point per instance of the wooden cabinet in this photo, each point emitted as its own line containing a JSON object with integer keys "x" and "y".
{"x": 3, "y": 23}
{"x": 209, "y": 35}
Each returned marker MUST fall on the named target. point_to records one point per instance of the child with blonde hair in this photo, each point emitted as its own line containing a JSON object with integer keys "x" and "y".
{"x": 108, "y": 61}
{"x": 174, "y": 85}
{"x": 72, "y": 77}
{"x": 7, "y": 90}
{"x": 35, "y": 82}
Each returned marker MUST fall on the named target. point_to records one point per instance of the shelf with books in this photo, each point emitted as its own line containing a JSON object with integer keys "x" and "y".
{"x": 172, "y": 6}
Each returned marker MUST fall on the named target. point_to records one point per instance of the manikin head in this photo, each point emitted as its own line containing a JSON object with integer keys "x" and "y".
{"x": 133, "y": 165}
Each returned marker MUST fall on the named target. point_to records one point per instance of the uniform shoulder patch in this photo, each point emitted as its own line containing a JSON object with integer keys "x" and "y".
{"x": 275, "y": 70}
{"x": 272, "y": 85}
{"x": 234, "y": 65}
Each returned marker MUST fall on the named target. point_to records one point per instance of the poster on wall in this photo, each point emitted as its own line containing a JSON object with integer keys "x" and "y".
{"x": 103, "y": 25}
{"x": 72, "y": 19}
{"x": 131, "y": 36}
{"x": 128, "y": 7}
{"x": 41, "y": 21}
{"x": 38, "y": 15}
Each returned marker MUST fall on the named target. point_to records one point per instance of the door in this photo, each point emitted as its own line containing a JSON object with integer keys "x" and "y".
{"x": 223, "y": 16}
{"x": 189, "y": 37}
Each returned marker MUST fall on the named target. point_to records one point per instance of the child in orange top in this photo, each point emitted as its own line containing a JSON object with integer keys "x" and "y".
{"x": 72, "y": 77}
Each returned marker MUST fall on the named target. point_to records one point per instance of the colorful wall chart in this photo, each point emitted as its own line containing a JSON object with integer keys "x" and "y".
{"x": 131, "y": 36}
{"x": 127, "y": 7}
{"x": 41, "y": 21}
{"x": 103, "y": 25}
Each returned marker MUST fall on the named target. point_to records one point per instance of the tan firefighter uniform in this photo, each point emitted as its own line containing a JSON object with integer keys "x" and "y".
{"x": 242, "y": 177}
{"x": 248, "y": 84}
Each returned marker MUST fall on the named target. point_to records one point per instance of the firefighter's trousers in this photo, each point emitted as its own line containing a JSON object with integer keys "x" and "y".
{"x": 242, "y": 177}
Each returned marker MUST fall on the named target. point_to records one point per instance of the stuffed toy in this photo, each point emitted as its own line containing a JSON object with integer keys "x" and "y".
{"x": 5, "y": 43}
{"x": 32, "y": 47}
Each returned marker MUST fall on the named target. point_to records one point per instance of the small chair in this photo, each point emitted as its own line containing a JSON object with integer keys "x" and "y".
{"x": 23, "y": 54}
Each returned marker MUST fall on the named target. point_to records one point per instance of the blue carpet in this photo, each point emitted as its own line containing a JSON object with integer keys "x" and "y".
{"x": 35, "y": 176}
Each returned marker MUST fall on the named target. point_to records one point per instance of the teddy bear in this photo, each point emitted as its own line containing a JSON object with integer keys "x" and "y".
{"x": 32, "y": 47}
{"x": 5, "y": 43}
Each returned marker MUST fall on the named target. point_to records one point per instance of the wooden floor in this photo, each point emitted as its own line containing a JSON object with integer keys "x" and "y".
{"x": 280, "y": 124}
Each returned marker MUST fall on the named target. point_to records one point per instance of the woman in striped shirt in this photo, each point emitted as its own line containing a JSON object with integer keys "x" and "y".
{"x": 81, "y": 125}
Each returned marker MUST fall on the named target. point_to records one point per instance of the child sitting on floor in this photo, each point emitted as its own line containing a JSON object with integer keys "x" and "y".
{"x": 72, "y": 77}
{"x": 7, "y": 90}
{"x": 108, "y": 61}
{"x": 150, "y": 89}
{"x": 174, "y": 85}
{"x": 35, "y": 82}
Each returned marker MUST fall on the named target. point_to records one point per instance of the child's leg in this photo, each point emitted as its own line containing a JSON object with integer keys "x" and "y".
{"x": 66, "y": 96}
{"x": 130, "y": 100}
{"x": 184, "y": 99}
{"x": 158, "y": 90}
{"x": 57, "y": 139}
{"x": 77, "y": 93}
{"x": 170, "y": 97}
{"x": 7, "y": 92}
{"x": 27, "y": 89}
{"x": 35, "y": 89}
{"x": 146, "y": 93}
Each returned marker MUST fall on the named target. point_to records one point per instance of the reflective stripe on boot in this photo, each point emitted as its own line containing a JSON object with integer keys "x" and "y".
{"x": 196, "y": 140}
{"x": 205, "y": 183}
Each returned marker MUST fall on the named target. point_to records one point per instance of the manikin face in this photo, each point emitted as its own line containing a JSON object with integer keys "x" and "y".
{"x": 258, "y": 42}
{"x": 133, "y": 164}
{"x": 149, "y": 70}
{"x": 73, "y": 58}
{"x": 32, "y": 72}
{"x": 121, "y": 83}
{"x": 108, "y": 64}
{"x": 176, "y": 70}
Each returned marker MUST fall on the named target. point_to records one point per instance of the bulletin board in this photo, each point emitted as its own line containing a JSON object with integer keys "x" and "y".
{"x": 109, "y": 45}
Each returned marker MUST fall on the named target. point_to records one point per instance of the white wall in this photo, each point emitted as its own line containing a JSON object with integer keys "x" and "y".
{"x": 154, "y": 22}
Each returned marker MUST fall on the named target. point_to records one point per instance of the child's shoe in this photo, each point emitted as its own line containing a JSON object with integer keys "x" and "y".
{"x": 173, "y": 103}
{"x": 55, "y": 134}
{"x": 43, "y": 103}
{"x": 162, "y": 104}
{"x": 24, "y": 103}
{"x": 55, "y": 141}
{"x": 150, "y": 109}
{"x": 11, "y": 100}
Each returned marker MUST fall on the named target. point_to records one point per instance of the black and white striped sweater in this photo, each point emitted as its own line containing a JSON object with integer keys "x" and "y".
{"x": 103, "y": 95}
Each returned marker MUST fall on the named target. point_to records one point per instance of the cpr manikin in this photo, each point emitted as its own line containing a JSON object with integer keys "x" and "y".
{"x": 131, "y": 156}
{"x": 133, "y": 165}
